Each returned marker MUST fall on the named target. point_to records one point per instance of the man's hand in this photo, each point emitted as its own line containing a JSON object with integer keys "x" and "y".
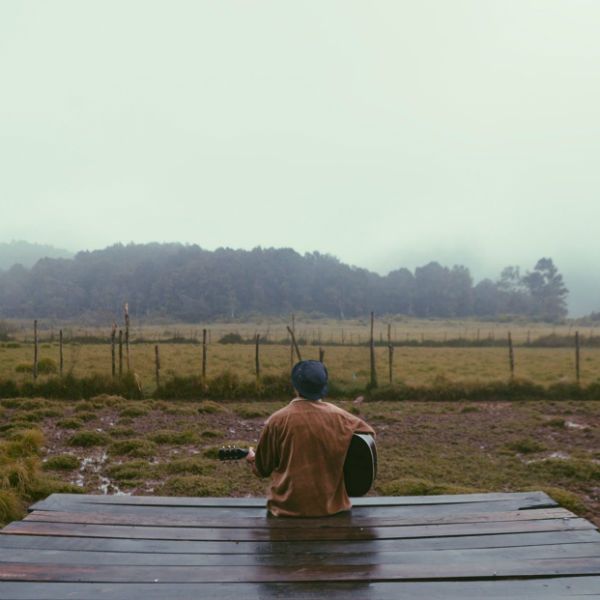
{"x": 251, "y": 456}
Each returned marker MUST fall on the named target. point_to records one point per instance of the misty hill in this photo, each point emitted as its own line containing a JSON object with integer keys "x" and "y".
{"x": 188, "y": 283}
{"x": 27, "y": 254}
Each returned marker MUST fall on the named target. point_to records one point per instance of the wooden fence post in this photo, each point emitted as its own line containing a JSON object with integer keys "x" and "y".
{"x": 126, "y": 308}
{"x": 390, "y": 353}
{"x": 372, "y": 353}
{"x": 61, "y": 360}
{"x": 35, "y": 350}
{"x": 204, "y": 333}
{"x": 257, "y": 358}
{"x": 113, "y": 335}
{"x": 321, "y": 354}
{"x": 120, "y": 353}
{"x": 294, "y": 344}
{"x": 511, "y": 357}
{"x": 157, "y": 365}
{"x": 292, "y": 331}
{"x": 577, "y": 356}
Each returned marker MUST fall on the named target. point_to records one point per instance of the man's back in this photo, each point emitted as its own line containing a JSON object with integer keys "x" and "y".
{"x": 303, "y": 447}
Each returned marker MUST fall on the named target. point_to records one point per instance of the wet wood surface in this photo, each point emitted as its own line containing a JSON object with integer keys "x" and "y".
{"x": 86, "y": 547}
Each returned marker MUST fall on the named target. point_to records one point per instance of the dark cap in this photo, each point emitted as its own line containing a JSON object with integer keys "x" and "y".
{"x": 310, "y": 379}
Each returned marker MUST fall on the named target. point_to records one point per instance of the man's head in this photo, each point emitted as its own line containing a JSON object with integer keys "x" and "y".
{"x": 309, "y": 378}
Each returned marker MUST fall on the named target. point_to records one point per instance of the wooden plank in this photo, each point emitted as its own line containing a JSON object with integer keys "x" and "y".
{"x": 432, "y": 570}
{"x": 498, "y": 540}
{"x": 123, "y": 545}
{"x": 532, "y": 589}
{"x": 167, "y": 519}
{"x": 218, "y": 513}
{"x": 488, "y": 555}
{"x": 304, "y": 534}
{"x": 524, "y": 497}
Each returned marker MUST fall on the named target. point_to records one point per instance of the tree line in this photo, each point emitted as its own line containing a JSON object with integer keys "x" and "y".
{"x": 189, "y": 283}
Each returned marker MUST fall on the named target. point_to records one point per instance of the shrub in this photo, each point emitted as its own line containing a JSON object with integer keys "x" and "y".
{"x": 87, "y": 439}
{"x": 47, "y": 366}
{"x": 231, "y": 338}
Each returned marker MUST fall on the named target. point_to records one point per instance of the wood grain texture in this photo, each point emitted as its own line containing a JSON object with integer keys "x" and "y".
{"x": 465, "y": 546}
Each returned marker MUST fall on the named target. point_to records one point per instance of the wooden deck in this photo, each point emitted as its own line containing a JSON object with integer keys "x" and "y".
{"x": 472, "y": 546}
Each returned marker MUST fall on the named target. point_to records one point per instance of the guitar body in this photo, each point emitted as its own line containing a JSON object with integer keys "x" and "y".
{"x": 360, "y": 467}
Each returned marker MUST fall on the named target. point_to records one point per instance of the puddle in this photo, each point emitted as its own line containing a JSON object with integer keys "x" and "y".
{"x": 94, "y": 465}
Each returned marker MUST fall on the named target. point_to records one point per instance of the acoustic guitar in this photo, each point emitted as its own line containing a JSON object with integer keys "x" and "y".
{"x": 360, "y": 466}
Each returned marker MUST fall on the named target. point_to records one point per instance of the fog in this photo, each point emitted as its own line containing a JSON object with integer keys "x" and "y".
{"x": 388, "y": 134}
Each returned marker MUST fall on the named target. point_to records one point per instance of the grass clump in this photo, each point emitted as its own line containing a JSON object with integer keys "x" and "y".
{"x": 87, "y": 439}
{"x": 132, "y": 471}
{"x": 87, "y": 416}
{"x": 193, "y": 485}
{"x": 566, "y": 499}
{"x": 133, "y": 447}
{"x": 62, "y": 462}
{"x": 70, "y": 423}
{"x": 192, "y": 466}
{"x": 211, "y": 433}
{"x": 251, "y": 412}
{"x": 122, "y": 432}
{"x": 413, "y": 486}
{"x": 210, "y": 407}
{"x": 21, "y": 480}
{"x": 133, "y": 410}
{"x": 556, "y": 469}
{"x": 174, "y": 437}
{"x": 526, "y": 446}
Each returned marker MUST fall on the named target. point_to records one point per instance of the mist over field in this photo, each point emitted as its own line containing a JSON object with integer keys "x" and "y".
{"x": 387, "y": 135}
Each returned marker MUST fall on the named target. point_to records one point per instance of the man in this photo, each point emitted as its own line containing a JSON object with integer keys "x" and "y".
{"x": 303, "y": 447}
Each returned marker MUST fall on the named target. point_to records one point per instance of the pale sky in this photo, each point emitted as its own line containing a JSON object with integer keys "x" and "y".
{"x": 387, "y": 133}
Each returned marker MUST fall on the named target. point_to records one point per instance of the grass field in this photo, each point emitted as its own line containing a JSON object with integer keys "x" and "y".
{"x": 348, "y": 366}
{"x": 314, "y": 329}
{"x": 108, "y": 444}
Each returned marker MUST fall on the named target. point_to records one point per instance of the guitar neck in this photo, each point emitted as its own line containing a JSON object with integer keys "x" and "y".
{"x": 232, "y": 453}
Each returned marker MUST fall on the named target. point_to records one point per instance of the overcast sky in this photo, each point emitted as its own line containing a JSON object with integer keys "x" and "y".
{"x": 387, "y": 133}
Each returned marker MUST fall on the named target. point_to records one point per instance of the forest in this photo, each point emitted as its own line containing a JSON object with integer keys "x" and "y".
{"x": 189, "y": 283}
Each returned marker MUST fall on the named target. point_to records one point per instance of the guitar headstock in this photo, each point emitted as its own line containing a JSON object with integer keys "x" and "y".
{"x": 232, "y": 453}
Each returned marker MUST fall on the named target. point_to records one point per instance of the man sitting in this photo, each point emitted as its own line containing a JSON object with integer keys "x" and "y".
{"x": 303, "y": 448}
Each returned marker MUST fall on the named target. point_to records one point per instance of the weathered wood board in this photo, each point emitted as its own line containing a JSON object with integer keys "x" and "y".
{"x": 86, "y": 547}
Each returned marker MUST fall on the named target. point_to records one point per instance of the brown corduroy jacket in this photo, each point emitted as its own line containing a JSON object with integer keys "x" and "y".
{"x": 303, "y": 448}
